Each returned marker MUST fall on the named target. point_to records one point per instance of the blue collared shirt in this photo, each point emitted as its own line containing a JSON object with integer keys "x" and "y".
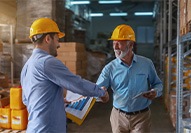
{"x": 43, "y": 78}
{"x": 128, "y": 81}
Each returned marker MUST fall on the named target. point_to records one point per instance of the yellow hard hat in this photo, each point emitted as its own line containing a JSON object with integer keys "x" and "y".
{"x": 44, "y": 25}
{"x": 123, "y": 32}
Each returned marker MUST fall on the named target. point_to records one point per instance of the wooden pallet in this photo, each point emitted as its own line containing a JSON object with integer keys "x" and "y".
{"x": 11, "y": 131}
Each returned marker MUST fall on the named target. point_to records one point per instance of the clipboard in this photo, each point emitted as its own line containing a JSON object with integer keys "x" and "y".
{"x": 78, "y": 120}
{"x": 141, "y": 94}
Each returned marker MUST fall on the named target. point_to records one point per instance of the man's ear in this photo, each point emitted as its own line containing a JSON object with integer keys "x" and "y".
{"x": 131, "y": 43}
{"x": 47, "y": 38}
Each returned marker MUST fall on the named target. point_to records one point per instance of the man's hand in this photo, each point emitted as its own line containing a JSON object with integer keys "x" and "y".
{"x": 66, "y": 101}
{"x": 105, "y": 98}
{"x": 150, "y": 95}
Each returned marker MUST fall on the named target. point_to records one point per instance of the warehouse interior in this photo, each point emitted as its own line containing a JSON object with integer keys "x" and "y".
{"x": 163, "y": 34}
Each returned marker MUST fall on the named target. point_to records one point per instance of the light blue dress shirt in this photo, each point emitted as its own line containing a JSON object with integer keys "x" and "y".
{"x": 128, "y": 81}
{"x": 43, "y": 78}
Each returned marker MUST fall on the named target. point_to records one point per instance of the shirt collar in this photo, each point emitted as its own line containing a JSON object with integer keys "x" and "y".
{"x": 38, "y": 50}
{"x": 134, "y": 59}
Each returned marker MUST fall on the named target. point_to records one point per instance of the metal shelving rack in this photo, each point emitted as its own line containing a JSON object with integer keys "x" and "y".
{"x": 169, "y": 14}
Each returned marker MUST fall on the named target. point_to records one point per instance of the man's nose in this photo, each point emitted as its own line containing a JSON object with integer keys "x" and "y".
{"x": 115, "y": 45}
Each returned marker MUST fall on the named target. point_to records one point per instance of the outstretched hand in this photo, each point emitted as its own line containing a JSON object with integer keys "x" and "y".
{"x": 105, "y": 98}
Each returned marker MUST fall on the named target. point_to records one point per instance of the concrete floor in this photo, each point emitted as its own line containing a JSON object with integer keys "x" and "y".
{"x": 97, "y": 120}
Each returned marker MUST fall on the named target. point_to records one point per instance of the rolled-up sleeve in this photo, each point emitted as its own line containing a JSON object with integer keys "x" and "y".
{"x": 155, "y": 81}
{"x": 104, "y": 79}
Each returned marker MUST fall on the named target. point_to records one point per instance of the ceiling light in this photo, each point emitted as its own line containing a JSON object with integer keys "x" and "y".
{"x": 96, "y": 14}
{"x": 109, "y": 2}
{"x": 118, "y": 14}
{"x": 143, "y": 13}
{"x": 79, "y": 2}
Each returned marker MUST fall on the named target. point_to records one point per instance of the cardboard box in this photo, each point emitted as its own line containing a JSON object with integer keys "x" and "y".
{"x": 71, "y": 46}
{"x": 84, "y": 64}
{"x": 188, "y": 10}
{"x": 5, "y": 99}
{"x": 72, "y": 56}
{"x": 74, "y": 65}
{"x": 81, "y": 72}
{"x": 4, "y": 81}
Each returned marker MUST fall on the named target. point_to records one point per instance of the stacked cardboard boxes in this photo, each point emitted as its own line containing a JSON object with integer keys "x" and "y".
{"x": 80, "y": 35}
{"x": 22, "y": 52}
{"x": 5, "y": 64}
{"x": 185, "y": 16}
{"x": 73, "y": 55}
{"x": 30, "y": 10}
{"x": 4, "y": 81}
{"x": 189, "y": 12}
{"x": 170, "y": 97}
{"x": 185, "y": 104}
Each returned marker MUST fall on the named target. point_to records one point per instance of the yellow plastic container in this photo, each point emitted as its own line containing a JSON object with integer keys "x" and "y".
{"x": 16, "y": 98}
{"x": 19, "y": 119}
{"x": 5, "y": 117}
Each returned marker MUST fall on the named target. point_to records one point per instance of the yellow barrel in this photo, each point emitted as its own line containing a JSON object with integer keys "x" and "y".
{"x": 19, "y": 119}
{"x": 16, "y": 98}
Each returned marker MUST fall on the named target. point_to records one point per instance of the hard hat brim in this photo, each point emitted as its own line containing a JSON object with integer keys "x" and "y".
{"x": 120, "y": 39}
{"x": 117, "y": 39}
{"x": 61, "y": 34}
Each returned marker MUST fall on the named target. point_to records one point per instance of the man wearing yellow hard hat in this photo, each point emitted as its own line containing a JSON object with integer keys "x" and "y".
{"x": 43, "y": 78}
{"x": 134, "y": 82}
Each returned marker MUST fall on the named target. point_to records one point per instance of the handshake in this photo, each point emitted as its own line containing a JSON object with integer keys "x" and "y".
{"x": 105, "y": 98}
